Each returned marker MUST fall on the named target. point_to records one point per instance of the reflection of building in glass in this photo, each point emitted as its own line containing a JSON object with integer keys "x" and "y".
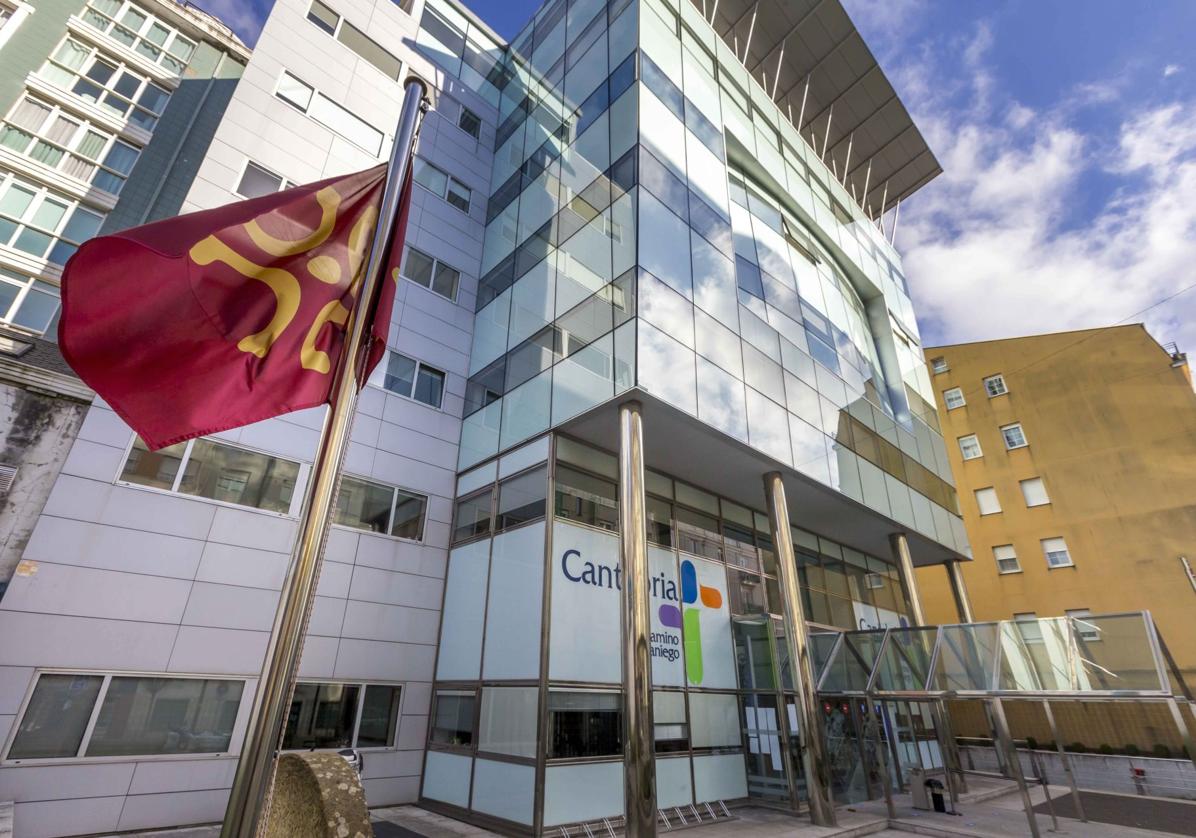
{"x": 612, "y": 206}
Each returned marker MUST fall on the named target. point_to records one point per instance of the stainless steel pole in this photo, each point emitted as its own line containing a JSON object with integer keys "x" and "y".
{"x": 639, "y": 764}
{"x": 959, "y": 590}
{"x": 813, "y": 756}
{"x": 900, "y": 545}
{"x": 1065, "y": 759}
{"x": 248, "y": 804}
{"x": 1005, "y": 742}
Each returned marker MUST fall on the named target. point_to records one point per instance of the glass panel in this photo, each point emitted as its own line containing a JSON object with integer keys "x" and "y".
{"x": 322, "y": 716}
{"x": 429, "y": 386}
{"x": 905, "y": 664}
{"x": 166, "y": 716}
{"x": 1035, "y": 655}
{"x": 698, "y": 534}
{"x": 473, "y": 516}
{"x": 257, "y": 181}
{"x": 967, "y": 657}
{"x": 15, "y": 201}
{"x": 400, "y": 374}
{"x": 153, "y": 468}
{"x": 852, "y": 665}
{"x": 670, "y": 730}
{"x": 452, "y": 719}
{"x": 508, "y": 721}
{"x": 417, "y": 266}
{"x": 587, "y": 499}
{"x": 233, "y": 475}
{"x": 753, "y": 651}
{"x": 765, "y": 758}
{"x": 363, "y": 505}
{"x": 714, "y": 720}
{"x": 82, "y": 225}
{"x": 409, "y": 515}
{"x": 379, "y": 716}
{"x": 1116, "y": 652}
{"x": 584, "y": 724}
{"x": 821, "y": 645}
{"x": 521, "y": 499}
{"x": 57, "y": 716}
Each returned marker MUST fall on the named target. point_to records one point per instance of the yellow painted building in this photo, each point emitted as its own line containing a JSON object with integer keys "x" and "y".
{"x": 1074, "y": 455}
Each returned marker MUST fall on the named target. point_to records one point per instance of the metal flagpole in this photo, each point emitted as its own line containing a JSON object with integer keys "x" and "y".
{"x": 248, "y": 804}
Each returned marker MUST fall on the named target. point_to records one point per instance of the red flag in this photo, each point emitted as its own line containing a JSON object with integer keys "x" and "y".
{"x": 220, "y": 318}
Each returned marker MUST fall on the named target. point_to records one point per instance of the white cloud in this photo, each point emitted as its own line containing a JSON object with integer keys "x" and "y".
{"x": 1171, "y": 70}
{"x": 1014, "y": 239}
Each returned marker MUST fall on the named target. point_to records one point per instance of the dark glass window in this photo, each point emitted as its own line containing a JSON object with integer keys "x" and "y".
{"x": 586, "y": 499}
{"x": 740, "y": 545}
{"x": 485, "y": 386}
{"x": 747, "y": 593}
{"x": 322, "y": 716}
{"x": 453, "y": 718}
{"x": 660, "y": 521}
{"x": 698, "y": 534}
{"x": 669, "y": 726}
{"x": 470, "y": 123}
{"x": 521, "y": 499}
{"x": 56, "y": 717}
{"x": 584, "y": 724}
{"x": 472, "y": 517}
{"x": 379, "y": 716}
{"x": 748, "y": 277}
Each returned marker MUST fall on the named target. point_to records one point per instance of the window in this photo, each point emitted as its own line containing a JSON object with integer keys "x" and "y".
{"x": 1028, "y": 627}
{"x": 939, "y": 365}
{"x": 1034, "y": 492}
{"x": 24, "y": 301}
{"x": 328, "y": 113}
{"x": 132, "y": 716}
{"x": 431, "y": 273}
{"x": 1085, "y": 629}
{"x": 257, "y": 181}
{"x": 521, "y": 499}
{"x": 442, "y": 185}
{"x": 365, "y": 505}
{"x": 1055, "y": 550}
{"x": 69, "y": 144}
{"x": 43, "y": 223}
{"x": 586, "y": 499}
{"x": 874, "y": 581}
{"x": 1006, "y": 559}
{"x": 994, "y": 385}
{"x": 453, "y": 718}
{"x": 669, "y": 727}
{"x": 342, "y": 716}
{"x": 106, "y": 82}
{"x": 410, "y": 379}
{"x": 969, "y": 447}
{"x": 128, "y": 24}
{"x": 584, "y": 724}
{"x": 470, "y": 122}
{"x": 472, "y": 516}
{"x": 330, "y": 22}
{"x": 217, "y": 471}
{"x": 987, "y": 502}
{"x": 954, "y": 398}
{"x": 1014, "y": 436}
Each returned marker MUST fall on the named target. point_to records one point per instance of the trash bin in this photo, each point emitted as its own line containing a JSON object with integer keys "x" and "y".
{"x": 935, "y": 789}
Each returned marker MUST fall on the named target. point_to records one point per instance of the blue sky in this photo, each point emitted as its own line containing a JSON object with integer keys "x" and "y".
{"x": 1067, "y": 132}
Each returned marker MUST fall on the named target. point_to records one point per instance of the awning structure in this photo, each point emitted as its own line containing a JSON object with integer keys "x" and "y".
{"x": 1100, "y": 657}
{"x": 815, "y": 40}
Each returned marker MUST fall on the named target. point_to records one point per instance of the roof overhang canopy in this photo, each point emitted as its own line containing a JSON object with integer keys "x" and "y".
{"x": 815, "y": 40}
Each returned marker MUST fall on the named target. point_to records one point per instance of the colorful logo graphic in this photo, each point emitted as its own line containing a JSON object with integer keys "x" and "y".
{"x": 688, "y": 617}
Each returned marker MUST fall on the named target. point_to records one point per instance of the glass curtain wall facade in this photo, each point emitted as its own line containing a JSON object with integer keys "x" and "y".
{"x": 656, "y": 227}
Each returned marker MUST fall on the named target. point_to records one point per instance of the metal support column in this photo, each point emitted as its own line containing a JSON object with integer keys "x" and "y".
{"x": 959, "y": 590}
{"x": 952, "y": 746}
{"x": 639, "y": 767}
{"x": 1065, "y": 759}
{"x": 822, "y": 812}
{"x": 1005, "y": 743}
{"x": 1185, "y": 732}
{"x": 905, "y": 562}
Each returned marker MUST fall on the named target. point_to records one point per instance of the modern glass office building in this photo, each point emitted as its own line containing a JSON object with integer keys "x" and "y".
{"x": 656, "y": 202}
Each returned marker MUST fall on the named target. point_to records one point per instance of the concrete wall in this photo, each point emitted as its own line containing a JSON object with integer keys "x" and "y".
{"x": 1111, "y": 427}
{"x": 36, "y": 432}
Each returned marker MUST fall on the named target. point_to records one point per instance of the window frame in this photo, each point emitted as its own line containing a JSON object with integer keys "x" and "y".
{"x": 378, "y": 378}
{"x": 235, "y": 742}
{"x": 363, "y": 685}
{"x": 1017, "y": 564}
{"x": 306, "y": 110}
{"x": 999, "y": 378}
{"x": 390, "y": 521}
{"x": 1042, "y": 483}
{"x": 339, "y": 27}
{"x": 995, "y": 498}
{"x": 449, "y": 181}
{"x": 286, "y": 183}
{"x": 938, "y": 365}
{"x": 963, "y": 453}
{"x": 84, "y": 125}
{"x": 947, "y": 397}
{"x": 296, "y": 496}
{"x": 461, "y": 113}
{"x": 94, "y": 54}
{"x": 437, "y": 262}
{"x": 174, "y": 35}
{"x": 25, "y": 289}
{"x": 1025, "y": 443}
{"x": 41, "y": 195}
{"x": 1046, "y": 554}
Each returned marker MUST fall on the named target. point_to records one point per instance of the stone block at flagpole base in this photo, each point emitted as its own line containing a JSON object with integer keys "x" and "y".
{"x": 317, "y": 795}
